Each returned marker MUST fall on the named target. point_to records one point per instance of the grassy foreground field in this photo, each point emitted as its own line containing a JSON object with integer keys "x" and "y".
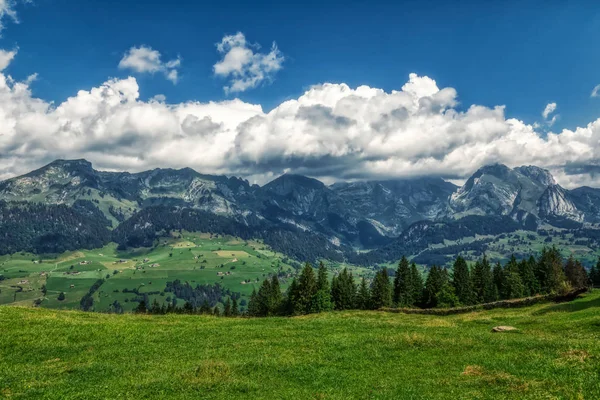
{"x": 52, "y": 354}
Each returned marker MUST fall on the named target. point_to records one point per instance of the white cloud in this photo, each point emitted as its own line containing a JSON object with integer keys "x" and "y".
{"x": 144, "y": 59}
{"x": 160, "y": 98}
{"x": 332, "y": 131}
{"x": 548, "y": 110}
{"x": 7, "y": 10}
{"x": 596, "y": 91}
{"x": 6, "y": 57}
{"x": 245, "y": 68}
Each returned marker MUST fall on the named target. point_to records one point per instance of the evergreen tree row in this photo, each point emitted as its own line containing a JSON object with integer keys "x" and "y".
{"x": 481, "y": 283}
{"x": 230, "y": 308}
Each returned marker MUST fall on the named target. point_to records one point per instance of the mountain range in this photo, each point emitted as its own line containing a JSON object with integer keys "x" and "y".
{"x": 344, "y": 215}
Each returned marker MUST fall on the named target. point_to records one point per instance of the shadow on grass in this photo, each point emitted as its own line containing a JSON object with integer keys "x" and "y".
{"x": 580, "y": 305}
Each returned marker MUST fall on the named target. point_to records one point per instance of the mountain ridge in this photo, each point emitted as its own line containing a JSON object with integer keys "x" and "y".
{"x": 363, "y": 214}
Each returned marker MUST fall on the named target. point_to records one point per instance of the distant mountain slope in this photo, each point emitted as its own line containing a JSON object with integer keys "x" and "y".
{"x": 423, "y": 234}
{"x": 302, "y": 210}
{"x": 587, "y": 201}
{"x": 40, "y": 228}
{"x": 394, "y": 204}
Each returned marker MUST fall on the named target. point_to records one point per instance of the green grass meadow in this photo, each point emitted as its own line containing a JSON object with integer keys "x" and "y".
{"x": 54, "y": 354}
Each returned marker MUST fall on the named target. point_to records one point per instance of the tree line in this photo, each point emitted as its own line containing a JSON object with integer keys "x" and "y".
{"x": 312, "y": 292}
{"x": 230, "y": 308}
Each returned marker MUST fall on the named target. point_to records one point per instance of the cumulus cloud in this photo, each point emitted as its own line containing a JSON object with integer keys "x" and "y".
{"x": 595, "y": 91}
{"x": 244, "y": 65}
{"x": 332, "y": 132}
{"x": 144, "y": 59}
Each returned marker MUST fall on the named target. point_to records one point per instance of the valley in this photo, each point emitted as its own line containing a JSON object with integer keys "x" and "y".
{"x": 128, "y": 277}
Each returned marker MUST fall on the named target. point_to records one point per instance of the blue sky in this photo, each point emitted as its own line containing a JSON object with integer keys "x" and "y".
{"x": 524, "y": 55}
{"x": 521, "y": 54}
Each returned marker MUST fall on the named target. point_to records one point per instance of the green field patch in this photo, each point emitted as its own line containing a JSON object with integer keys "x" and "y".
{"x": 233, "y": 263}
{"x": 70, "y": 256}
{"x": 233, "y": 254}
{"x": 184, "y": 244}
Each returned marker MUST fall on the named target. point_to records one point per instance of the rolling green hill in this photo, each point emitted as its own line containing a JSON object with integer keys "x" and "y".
{"x": 237, "y": 265}
{"x": 53, "y": 354}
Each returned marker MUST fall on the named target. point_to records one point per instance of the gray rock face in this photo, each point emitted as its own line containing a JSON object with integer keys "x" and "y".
{"x": 519, "y": 192}
{"x": 493, "y": 189}
{"x": 395, "y": 204}
{"x": 587, "y": 201}
{"x": 555, "y": 202}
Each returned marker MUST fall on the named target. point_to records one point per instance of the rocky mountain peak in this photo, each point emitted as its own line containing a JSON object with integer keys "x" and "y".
{"x": 288, "y": 183}
{"x": 540, "y": 175}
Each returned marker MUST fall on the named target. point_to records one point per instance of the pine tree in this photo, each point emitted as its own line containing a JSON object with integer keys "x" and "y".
{"x": 253, "y": 305}
{"x": 550, "y": 271}
{"x": 381, "y": 290}
{"x": 343, "y": 291}
{"x": 205, "y": 307}
{"x": 188, "y": 308}
{"x": 155, "y": 308}
{"x": 595, "y": 274}
{"x": 235, "y": 311}
{"x": 498, "y": 279}
{"x": 290, "y": 299}
{"x": 417, "y": 285}
{"x": 263, "y": 297}
{"x": 446, "y": 297}
{"x": 526, "y": 270}
{"x": 513, "y": 287}
{"x": 216, "y": 311}
{"x": 402, "y": 284}
{"x": 483, "y": 283}
{"x": 275, "y": 298}
{"x": 433, "y": 285}
{"x": 141, "y": 308}
{"x": 576, "y": 274}
{"x": 227, "y": 308}
{"x": 305, "y": 292}
{"x": 322, "y": 299}
{"x": 322, "y": 279}
{"x": 461, "y": 280}
{"x": 363, "y": 297}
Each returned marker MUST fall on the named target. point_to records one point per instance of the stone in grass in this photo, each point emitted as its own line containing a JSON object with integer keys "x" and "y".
{"x": 503, "y": 328}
